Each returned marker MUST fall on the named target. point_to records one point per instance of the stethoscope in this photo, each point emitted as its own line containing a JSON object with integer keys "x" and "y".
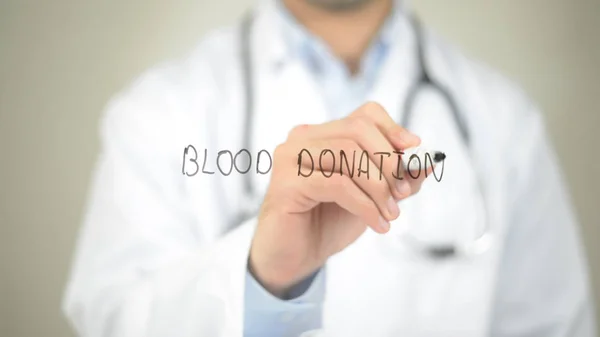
{"x": 249, "y": 207}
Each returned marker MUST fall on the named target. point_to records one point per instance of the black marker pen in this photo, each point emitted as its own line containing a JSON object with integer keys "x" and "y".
{"x": 417, "y": 159}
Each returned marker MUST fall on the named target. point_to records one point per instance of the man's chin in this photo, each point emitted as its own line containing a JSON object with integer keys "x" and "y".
{"x": 339, "y": 5}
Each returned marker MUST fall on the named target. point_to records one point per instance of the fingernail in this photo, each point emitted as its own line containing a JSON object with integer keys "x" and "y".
{"x": 410, "y": 138}
{"x": 403, "y": 187}
{"x": 392, "y": 207}
{"x": 407, "y": 138}
{"x": 385, "y": 226}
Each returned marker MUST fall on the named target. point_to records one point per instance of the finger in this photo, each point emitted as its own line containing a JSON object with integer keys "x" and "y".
{"x": 416, "y": 174}
{"x": 400, "y": 137}
{"x": 370, "y": 138}
{"x": 415, "y": 179}
{"x": 346, "y": 194}
{"x": 329, "y": 157}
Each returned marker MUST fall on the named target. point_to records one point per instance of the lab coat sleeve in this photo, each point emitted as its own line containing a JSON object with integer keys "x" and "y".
{"x": 266, "y": 315}
{"x": 542, "y": 288}
{"x": 150, "y": 259}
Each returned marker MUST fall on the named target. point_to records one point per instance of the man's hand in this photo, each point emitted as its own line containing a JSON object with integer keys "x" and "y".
{"x": 305, "y": 220}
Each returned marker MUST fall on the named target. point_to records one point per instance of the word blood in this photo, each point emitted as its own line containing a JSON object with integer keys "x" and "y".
{"x": 226, "y": 161}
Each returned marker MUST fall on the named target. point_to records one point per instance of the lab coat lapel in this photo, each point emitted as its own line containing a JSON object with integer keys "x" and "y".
{"x": 396, "y": 74}
{"x": 465, "y": 286}
{"x": 285, "y": 95}
{"x": 394, "y": 290}
{"x": 284, "y": 102}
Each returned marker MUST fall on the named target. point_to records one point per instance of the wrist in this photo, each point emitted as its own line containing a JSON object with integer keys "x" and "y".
{"x": 277, "y": 281}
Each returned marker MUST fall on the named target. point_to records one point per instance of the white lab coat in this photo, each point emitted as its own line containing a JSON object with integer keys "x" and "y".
{"x": 157, "y": 255}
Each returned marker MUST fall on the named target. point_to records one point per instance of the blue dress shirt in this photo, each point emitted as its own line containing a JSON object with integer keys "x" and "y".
{"x": 342, "y": 91}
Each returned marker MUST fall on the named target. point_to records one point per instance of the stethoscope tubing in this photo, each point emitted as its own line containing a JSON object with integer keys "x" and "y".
{"x": 424, "y": 79}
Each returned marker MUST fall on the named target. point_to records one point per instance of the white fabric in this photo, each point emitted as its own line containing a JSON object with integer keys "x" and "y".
{"x": 156, "y": 258}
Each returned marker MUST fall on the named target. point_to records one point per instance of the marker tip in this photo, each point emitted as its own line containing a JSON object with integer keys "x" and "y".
{"x": 439, "y": 156}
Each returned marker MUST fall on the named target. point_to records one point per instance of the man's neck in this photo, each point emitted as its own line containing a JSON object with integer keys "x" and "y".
{"x": 348, "y": 33}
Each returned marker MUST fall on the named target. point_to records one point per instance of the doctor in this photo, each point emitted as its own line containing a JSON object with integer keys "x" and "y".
{"x": 492, "y": 249}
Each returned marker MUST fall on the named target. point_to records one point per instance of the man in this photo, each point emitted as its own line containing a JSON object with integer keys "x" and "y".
{"x": 162, "y": 253}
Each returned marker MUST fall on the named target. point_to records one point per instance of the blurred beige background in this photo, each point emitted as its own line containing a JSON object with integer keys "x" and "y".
{"x": 61, "y": 60}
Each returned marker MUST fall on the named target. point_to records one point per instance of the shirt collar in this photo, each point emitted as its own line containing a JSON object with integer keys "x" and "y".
{"x": 291, "y": 40}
